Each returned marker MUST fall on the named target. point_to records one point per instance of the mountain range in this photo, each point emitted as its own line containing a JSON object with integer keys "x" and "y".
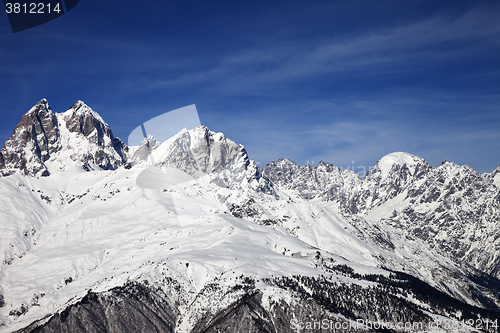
{"x": 219, "y": 244}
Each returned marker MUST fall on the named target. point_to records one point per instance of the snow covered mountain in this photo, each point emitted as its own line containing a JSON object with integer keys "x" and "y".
{"x": 213, "y": 243}
{"x": 45, "y": 142}
{"x": 452, "y": 208}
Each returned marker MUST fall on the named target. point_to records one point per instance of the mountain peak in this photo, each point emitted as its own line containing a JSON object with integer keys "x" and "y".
{"x": 41, "y": 106}
{"x": 80, "y": 118}
{"x": 43, "y": 101}
{"x": 33, "y": 141}
{"x": 386, "y": 163}
{"x": 37, "y": 146}
{"x": 400, "y": 158}
{"x": 83, "y": 110}
{"x": 283, "y": 162}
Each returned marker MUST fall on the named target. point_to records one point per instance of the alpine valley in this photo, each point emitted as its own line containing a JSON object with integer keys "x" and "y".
{"x": 221, "y": 245}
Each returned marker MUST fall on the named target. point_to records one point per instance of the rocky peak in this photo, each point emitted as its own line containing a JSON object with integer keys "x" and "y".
{"x": 281, "y": 172}
{"x": 36, "y": 145}
{"x": 199, "y": 151}
{"x": 142, "y": 152}
{"x": 326, "y": 166}
{"x": 389, "y": 177}
{"x": 34, "y": 140}
{"x": 81, "y": 119}
{"x": 93, "y": 145}
{"x": 283, "y": 162}
{"x": 404, "y": 164}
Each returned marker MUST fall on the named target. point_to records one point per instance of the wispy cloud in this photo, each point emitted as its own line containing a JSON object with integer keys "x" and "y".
{"x": 434, "y": 126}
{"x": 428, "y": 43}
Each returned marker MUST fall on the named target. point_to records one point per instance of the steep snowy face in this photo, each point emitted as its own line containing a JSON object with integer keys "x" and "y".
{"x": 34, "y": 140}
{"x": 45, "y": 142}
{"x": 396, "y": 161}
{"x": 455, "y": 210}
{"x": 388, "y": 178}
{"x": 88, "y": 141}
{"x": 142, "y": 152}
{"x": 81, "y": 119}
{"x": 397, "y": 169}
{"x": 200, "y": 151}
{"x": 494, "y": 177}
{"x": 310, "y": 182}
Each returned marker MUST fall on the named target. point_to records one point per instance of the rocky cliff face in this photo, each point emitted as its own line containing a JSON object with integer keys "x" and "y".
{"x": 132, "y": 308}
{"x": 34, "y": 141}
{"x": 44, "y": 142}
{"x": 104, "y": 151}
{"x": 314, "y": 304}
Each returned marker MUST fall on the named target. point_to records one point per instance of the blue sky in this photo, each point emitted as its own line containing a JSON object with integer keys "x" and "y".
{"x": 340, "y": 81}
